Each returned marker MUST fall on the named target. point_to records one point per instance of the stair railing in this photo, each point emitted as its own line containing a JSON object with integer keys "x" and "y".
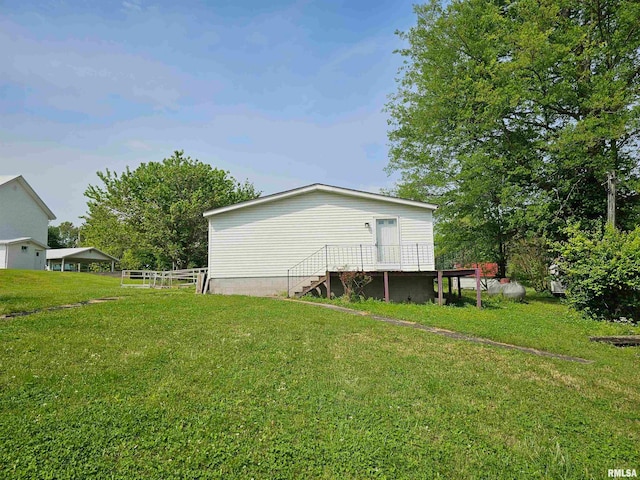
{"x": 315, "y": 264}
{"x": 409, "y": 257}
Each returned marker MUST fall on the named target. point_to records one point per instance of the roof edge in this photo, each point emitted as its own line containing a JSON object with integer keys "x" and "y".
{"x": 32, "y": 193}
{"x": 75, "y": 251}
{"x": 323, "y": 188}
{"x": 12, "y": 241}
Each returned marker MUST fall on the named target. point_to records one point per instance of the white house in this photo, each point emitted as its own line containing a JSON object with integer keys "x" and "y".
{"x": 294, "y": 241}
{"x": 24, "y": 221}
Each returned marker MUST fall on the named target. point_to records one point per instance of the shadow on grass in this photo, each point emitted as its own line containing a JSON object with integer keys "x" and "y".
{"x": 466, "y": 302}
{"x": 496, "y": 301}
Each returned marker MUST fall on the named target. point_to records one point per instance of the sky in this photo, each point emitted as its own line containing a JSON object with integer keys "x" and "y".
{"x": 280, "y": 93}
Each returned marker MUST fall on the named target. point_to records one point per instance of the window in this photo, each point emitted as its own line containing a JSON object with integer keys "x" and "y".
{"x": 25, "y": 249}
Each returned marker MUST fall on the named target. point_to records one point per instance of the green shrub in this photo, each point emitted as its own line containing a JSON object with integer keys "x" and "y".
{"x": 529, "y": 262}
{"x": 602, "y": 273}
{"x": 354, "y": 283}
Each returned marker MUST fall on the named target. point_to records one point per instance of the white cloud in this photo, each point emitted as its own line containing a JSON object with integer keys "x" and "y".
{"x": 132, "y": 5}
{"x": 84, "y": 76}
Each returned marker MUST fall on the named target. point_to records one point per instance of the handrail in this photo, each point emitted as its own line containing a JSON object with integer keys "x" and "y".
{"x": 307, "y": 268}
{"x": 360, "y": 257}
{"x": 299, "y": 263}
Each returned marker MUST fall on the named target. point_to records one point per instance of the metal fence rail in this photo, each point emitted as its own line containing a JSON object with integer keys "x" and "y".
{"x": 160, "y": 279}
{"x": 408, "y": 257}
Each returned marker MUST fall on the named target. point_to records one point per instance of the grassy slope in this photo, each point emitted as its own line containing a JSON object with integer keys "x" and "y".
{"x": 176, "y": 385}
{"x": 542, "y": 322}
{"x": 26, "y": 290}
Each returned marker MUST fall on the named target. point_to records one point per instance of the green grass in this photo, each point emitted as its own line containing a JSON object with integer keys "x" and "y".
{"x": 27, "y": 290}
{"x": 174, "y": 385}
{"x": 542, "y": 322}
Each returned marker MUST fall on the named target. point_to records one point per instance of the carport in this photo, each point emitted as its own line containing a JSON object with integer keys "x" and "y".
{"x": 72, "y": 259}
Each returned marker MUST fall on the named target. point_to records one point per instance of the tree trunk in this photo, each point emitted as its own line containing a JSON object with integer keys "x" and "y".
{"x": 502, "y": 260}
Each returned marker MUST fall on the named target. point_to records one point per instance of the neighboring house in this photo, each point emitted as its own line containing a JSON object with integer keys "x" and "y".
{"x": 72, "y": 259}
{"x": 289, "y": 241}
{"x": 24, "y": 221}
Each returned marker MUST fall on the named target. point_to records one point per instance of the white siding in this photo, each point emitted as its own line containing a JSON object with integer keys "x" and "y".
{"x": 265, "y": 240}
{"x": 13, "y": 256}
{"x": 20, "y": 215}
{"x": 20, "y": 259}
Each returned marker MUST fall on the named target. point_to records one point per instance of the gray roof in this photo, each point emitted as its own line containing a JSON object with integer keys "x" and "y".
{"x": 11, "y": 241}
{"x": 322, "y": 188}
{"x": 82, "y": 253}
{"x": 4, "y": 179}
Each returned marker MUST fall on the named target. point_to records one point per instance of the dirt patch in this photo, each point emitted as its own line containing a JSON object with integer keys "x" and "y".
{"x": 619, "y": 341}
{"x": 59, "y": 307}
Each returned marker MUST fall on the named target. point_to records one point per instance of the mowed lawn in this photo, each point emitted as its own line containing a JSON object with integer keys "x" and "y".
{"x": 27, "y": 290}
{"x": 173, "y": 385}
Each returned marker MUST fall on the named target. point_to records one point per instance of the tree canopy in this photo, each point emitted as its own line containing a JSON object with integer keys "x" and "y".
{"x": 511, "y": 114}
{"x": 65, "y": 235}
{"x": 152, "y": 216}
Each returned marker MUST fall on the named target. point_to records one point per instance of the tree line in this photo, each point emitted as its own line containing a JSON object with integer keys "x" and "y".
{"x": 512, "y": 115}
{"x": 521, "y": 119}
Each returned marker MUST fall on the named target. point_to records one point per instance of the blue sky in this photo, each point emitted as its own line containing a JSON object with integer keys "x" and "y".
{"x": 282, "y": 93}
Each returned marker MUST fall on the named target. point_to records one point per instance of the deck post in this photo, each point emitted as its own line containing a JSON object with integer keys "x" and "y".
{"x": 386, "y": 285}
{"x": 478, "y": 295}
{"x": 328, "y": 283}
{"x": 440, "y": 289}
{"x": 449, "y": 286}
{"x": 459, "y": 287}
{"x": 62, "y": 265}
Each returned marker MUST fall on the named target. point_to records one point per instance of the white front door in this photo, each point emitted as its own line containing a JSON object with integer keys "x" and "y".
{"x": 387, "y": 241}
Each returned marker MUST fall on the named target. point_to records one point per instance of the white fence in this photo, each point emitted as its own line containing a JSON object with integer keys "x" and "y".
{"x": 161, "y": 279}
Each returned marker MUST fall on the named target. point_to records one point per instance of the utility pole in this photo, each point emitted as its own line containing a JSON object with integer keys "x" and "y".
{"x": 611, "y": 198}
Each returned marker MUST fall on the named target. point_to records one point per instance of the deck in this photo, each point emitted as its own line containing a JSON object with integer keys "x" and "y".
{"x": 388, "y": 284}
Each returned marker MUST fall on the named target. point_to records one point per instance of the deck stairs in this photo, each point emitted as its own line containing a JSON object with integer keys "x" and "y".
{"x": 314, "y": 284}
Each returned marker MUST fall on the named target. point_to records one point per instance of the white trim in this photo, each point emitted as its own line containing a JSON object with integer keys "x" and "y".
{"x": 60, "y": 253}
{"x": 322, "y": 188}
{"x": 13, "y": 241}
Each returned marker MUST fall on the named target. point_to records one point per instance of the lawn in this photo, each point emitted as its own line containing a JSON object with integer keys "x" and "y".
{"x": 541, "y": 322}
{"x": 173, "y": 385}
{"x": 27, "y": 290}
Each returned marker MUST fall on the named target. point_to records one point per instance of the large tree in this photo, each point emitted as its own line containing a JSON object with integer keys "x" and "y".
{"x": 65, "y": 235}
{"x": 152, "y": 216}
{"x": 512, "y": 114}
